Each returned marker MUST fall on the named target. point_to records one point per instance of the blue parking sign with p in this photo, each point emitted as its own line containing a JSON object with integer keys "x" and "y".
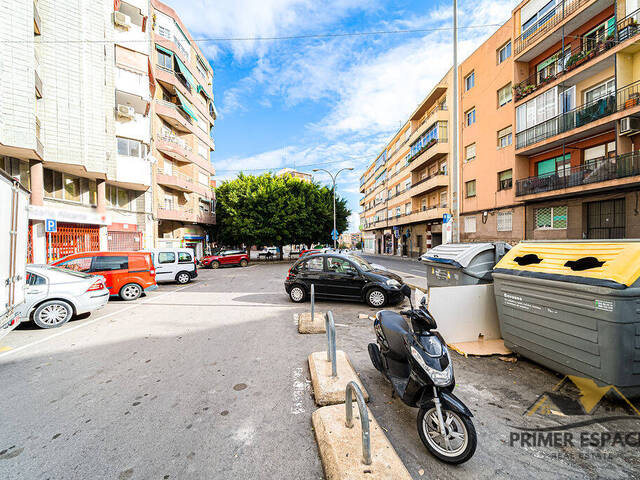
{"x": 50, "y": 225}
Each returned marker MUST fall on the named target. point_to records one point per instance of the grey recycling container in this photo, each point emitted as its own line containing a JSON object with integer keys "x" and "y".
{"x": 454, "y": 264}
{"x": 574, "y": 306}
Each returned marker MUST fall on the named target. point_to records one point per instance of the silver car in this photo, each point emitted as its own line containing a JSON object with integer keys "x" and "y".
{"x": 53, "y": 295}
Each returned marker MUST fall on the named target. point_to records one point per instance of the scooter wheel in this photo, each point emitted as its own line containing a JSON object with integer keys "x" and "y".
{"x": 374, "y": 354}
{"x": 459, "y": 431}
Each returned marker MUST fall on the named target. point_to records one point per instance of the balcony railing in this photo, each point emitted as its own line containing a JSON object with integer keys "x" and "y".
{"x": 598, "y": 170}
{"x": 174, "y": 139}
{"x": 546, "y": 23}
{"x": 624, "y": 98}
{"x": 624, "y": 30}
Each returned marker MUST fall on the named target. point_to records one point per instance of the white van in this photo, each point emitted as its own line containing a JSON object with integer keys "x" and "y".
{"x": 174, "y": 264}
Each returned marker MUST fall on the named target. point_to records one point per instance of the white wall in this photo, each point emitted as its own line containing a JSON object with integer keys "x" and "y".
{"x": 133, "y": 170}
{"x": 138, "y": 128}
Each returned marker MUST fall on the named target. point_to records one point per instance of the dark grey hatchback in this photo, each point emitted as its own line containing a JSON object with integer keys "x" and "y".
{"x": 345, "y": 277}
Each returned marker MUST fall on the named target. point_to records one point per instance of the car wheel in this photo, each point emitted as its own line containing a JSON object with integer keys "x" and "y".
{"x": 297, "y": 294}
{"x": 183, "y": 278}
{"x": 376, "y": 298}
{"x": 243, "y": 262}
{"x": 215, "y": 264}
{"x": 130, "y": 291}
{"x": 52, "y": 314}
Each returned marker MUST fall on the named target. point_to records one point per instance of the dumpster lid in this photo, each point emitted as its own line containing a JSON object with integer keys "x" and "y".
{"x": 604, "y": 263}
{"x": 460, "y": 254}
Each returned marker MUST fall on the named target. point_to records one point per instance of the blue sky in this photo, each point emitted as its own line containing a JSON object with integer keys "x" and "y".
{"x": 324, "y": 102}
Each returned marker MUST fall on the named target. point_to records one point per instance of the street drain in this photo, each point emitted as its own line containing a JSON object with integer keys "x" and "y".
{"x": 240, "y": 386}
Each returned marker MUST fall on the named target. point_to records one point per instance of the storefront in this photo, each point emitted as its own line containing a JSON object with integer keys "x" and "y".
{"x": 124, "y": 237}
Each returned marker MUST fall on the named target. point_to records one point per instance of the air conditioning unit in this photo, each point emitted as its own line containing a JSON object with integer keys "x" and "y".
{"x": 125, "y": 111}
{"x": 122, "y": 20}
{"x": 629, "y": 125}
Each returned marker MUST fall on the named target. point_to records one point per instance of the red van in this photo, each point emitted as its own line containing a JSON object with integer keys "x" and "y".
{"x": 127, "y": 274}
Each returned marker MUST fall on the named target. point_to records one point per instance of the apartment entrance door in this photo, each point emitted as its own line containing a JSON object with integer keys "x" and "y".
{"x": 606, "y": 219}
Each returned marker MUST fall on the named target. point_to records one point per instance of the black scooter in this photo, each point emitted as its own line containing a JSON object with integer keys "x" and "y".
{"x": 417, "y": 363}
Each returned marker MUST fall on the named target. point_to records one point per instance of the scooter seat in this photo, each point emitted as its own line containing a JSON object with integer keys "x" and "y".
{"x": 394, "y": 328}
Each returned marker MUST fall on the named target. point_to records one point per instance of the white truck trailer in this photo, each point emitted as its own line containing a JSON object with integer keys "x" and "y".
{"x": 14, "y": 238}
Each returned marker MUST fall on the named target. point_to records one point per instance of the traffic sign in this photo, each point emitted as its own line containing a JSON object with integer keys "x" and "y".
{"x": 334, "y": 234}
{"x": 446, "y": 217}
{"x": 50, "y": 225}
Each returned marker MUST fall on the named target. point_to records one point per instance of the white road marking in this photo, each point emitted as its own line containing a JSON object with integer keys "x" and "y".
{"x": 299, "y": 386}
{"x": 340, "y": 325}
{"x": 89, "y": 322}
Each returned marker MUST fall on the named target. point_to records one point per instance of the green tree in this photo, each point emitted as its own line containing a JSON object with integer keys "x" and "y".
{"x": 271, "y": 210}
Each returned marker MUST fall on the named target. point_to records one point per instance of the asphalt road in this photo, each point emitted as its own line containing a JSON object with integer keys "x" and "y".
{"x": 210, "y": 381}
{"x": 407, "y": 266}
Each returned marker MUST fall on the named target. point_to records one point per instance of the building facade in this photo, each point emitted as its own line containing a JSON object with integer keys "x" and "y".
{"x": 291, "y": 173}
{"x": 577, "y": 101}
{"x": 183, "y": 114}
{"x": 406, "y": 189}
{"x": 76, "y": 122}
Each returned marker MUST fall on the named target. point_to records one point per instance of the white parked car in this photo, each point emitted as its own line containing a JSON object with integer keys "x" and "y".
{"x": 174, "y": 264}
{"x": 53, "y": 295}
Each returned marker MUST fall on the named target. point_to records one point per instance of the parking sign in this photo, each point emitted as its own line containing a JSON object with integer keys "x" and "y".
{"x": 50, "y": 225}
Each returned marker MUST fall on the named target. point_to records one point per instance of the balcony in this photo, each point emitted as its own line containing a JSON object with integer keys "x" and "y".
{"x": 429, "y": 184}
{"x": 181, "y": 182}
{"x": 625, "y": 98}
{"x": 431, "y": 213}
{"x": 592, "y": 175}
{"x": 133, "y": 173}
{"x": 174, "y": 115}
{"x": 539, "y": 36}
{"x": 178, "y": 149}
{"x": 434, "y": 150}
{"x": 186, "y": 215}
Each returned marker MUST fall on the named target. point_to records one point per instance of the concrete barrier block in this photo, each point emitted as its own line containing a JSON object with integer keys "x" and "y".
{"x": 341, "y": 447}
{"x": 329, "y": 390}
{"x": 306, "y": 324}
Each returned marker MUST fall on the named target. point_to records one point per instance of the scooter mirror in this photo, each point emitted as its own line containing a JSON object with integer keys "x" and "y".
{"x": 406, "y": 291}
{"x": 423, "y": 302}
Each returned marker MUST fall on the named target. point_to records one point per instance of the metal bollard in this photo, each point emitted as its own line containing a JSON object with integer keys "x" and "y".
{"x": 352, "y": 387}
{"x": 313, "y": 302}
{"x": 331, "y": 342}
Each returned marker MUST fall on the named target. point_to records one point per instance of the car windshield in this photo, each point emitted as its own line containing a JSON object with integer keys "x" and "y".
{"x": 362, "y": 263}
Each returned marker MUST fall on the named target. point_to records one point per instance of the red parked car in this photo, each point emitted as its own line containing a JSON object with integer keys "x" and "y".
{"x": 127, "y": 274}
{"x": 226, "y": 257}
{"x": 309, "y": 251}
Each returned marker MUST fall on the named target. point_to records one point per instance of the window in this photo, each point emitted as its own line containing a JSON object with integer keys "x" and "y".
{"x": 424, "y": 204}
{"x": 505, "y": 180}
{"x": 109, "y": 263}
{"x": 166, "y": 257}
{"x": 437, "y": 131}
{"x": 470, "y": 117}
{"x": 505, "y": 137}
{"x": 82, "y": 264}
{"x": 600, "y": 91}
{"x": 131, "y": 148}
{"x": 168, "y": 203}
{"x": 203, "y": 150}
{"x": 390, "y": 212}
{"x": 203, "y": 178}
{"x": 398, "y": 212}
{"x": 164, "y": 60}
{"x": 597, "y": 34}
{"x": 551, "y": 218}
{"x": 470, "y": 152}
{"x": 469, "y": 81}
{"x": 339, "y": 265}
{"x": 539, "y": 109}
{"x": 184, "y": 257}
{"x": 470, "y": 224}
{"x": 470, "y": 188}
{"x": 407, "y": 184}
{"x": 62, "y": 186}
{"x": 118, "y": 197}
{"x": 532, "y": 21}
{"x": 505, "y": 94}
{"x": 505, "y": 221}
{"x": 33, "y": 279}
{"x": 443, "y": 168}
{"x": 504, "y": 53}
{"x": 559, "y": 166}
{"x": 314, "y": 264}
{"x": 407, "y": 208}
{"x": 443, "y": 199}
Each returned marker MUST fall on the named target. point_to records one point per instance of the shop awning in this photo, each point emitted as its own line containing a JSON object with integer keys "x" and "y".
{"x": 186, "y": 106}
{"x": 185, "y": 72}
{"x": 201, "y": 89}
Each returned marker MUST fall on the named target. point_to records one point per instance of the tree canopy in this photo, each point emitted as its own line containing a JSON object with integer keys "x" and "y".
{"x": 272, "y": 210}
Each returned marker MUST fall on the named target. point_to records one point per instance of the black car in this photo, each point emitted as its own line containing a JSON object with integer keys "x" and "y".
{"x": 343, "y": 277}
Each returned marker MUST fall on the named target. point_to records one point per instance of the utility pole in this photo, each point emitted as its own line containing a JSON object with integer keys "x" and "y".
{"x": 333, "y": 179}
{"x": 455, "y": 174}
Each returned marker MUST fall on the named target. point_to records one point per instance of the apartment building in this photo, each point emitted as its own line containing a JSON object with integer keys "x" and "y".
{"x": 291, "y": 173}
{"x": 68, "y": 102}
{"x": 577, "y": 118}
{"x": 489, "y": 210}
{"x": 406, "y": 189}
{"x": 183, "y": 115}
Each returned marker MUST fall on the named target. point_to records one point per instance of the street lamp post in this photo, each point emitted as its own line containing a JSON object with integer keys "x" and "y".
{"x": 333, "y": 179}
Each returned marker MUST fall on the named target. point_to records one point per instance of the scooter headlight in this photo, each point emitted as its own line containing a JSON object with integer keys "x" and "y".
{"x": 440, "y": 378}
